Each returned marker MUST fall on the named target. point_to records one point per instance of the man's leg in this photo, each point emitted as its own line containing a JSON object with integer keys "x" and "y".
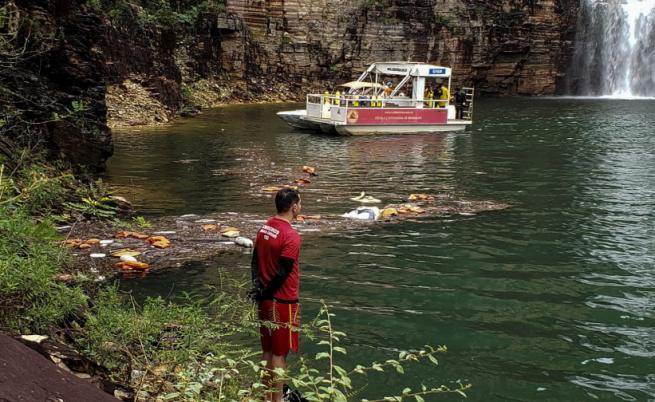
{"x": 268, "y": 376}
{"x": 277, "y": 383}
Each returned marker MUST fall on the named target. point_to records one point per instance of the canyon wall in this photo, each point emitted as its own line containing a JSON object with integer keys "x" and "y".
{"x": 500, "y": 47}
{"x": 271, "y": 50}
{"x": 129, "y": 72}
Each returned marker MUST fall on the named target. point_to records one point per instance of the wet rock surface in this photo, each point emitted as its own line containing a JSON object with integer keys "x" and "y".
{"x": 26, "y": 375}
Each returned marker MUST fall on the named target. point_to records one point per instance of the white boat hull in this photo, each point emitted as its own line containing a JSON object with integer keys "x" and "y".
{"x": 301, "y": 120}
{"x": 296, "y": 119}
{"x": 408, "y": 129}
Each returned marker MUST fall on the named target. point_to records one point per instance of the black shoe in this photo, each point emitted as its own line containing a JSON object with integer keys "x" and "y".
{"x": 292, "y": 395}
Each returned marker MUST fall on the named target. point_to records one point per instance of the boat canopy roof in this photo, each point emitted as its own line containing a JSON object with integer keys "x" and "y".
{"x": 404, "y": 68}
{"x": 361, "y": 84}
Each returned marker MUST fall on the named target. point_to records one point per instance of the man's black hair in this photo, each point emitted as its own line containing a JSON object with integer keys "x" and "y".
{"x": 285, "y": 198}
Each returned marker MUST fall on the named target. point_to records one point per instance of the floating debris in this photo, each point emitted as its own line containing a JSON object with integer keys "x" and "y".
{"x": 275, "y": 189}
{"x": 302, "y": 181}
{"x": 244, "y": 242}
{"x": 72, "y": 242}
{"x": 105, "y": 243}
{"x": 420, "y": 197}
{"x": 123, "y": 234}
{"x": 128, "y": 258}
{"x": 125, "y": 251}
{"x": 387, "y": 213}
{"x": 364, "y": 213}
{"x": 365, "y": 199}
{"x": 97, "y": 255}
{"x": 209, "y": 227}
{"x": 230, "y": 232}
{"x": 132, "y": 265}
{"x": 410, "y": 209}
{"x": 302, "y": 218}
{"x": 309, "y": 169}
{"x": 159, "y": 241}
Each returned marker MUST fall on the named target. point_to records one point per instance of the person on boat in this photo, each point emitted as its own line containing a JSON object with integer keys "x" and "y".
{"x": 276, "y": 279}
{"x": 388, "y": 89}
{"x": 460, "y": 103}
{"x": 428, "y": 95}
{"x": 444, "y": 95}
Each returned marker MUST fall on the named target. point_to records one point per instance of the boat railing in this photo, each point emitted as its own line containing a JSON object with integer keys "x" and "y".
{"x": 354, "y": 101}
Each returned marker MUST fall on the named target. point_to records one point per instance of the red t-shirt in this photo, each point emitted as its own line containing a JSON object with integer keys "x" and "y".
{"x": 274, "y": 240}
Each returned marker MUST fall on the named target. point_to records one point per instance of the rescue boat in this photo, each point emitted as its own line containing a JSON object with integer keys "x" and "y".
{"x": 388, "y": 98}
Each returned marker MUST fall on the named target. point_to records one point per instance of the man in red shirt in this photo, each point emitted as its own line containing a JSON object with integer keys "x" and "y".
{"x": 276, "y": 277}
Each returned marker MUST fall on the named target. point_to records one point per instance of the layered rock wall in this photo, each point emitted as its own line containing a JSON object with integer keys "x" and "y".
{"x": 263, "y": 50}
{"x": 501, "y": 47}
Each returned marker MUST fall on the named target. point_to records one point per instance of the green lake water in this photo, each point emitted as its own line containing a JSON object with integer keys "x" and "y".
{"x": 550, "y": 300}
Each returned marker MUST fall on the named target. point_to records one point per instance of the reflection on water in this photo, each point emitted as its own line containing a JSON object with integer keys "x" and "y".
{"x": 551, "y": 300}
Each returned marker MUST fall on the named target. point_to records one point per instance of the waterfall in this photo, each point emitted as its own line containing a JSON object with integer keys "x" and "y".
{"x": 614, "y": 49}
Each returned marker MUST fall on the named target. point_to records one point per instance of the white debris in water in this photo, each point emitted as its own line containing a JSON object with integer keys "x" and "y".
{"x": 105, "y": 243}
{"x": 97, "y": 255}
{"x": 165, "y": 232}
{"x": 604, "y": 360}
{"x": 363, "y": 213}
{"x": 205, "y": 221}
{"x": 188, "y": 216}
{"x": 243, "y": 241}
{"x": 128, "y": 258}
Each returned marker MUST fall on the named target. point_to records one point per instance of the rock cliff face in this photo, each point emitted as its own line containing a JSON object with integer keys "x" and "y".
{"x": 52, "y": 87}
{"x": 501, "y": 47}
{"x": 263, "y": 50}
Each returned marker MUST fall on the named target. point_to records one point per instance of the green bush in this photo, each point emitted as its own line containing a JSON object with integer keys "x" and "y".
{"x": 173, "y": 349}
{"x": 30, "y": 258}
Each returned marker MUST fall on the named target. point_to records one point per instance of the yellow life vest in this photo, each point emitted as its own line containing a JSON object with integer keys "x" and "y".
{"x": 326, "y": 97}
{"x": 356, "y": 101}
{"x": 337, "y": 98}
{"x": 429, "y": 95}
{"x": 445, "y": 95}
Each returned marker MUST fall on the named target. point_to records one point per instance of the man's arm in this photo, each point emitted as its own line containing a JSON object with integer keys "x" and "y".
{"x": 285, "y": 266}
{"x": 255, "y": 293}
{"x": 254, "y": 269}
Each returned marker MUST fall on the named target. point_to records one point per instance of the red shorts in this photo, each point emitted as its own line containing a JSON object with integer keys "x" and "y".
{"x": 280, "y": 326}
